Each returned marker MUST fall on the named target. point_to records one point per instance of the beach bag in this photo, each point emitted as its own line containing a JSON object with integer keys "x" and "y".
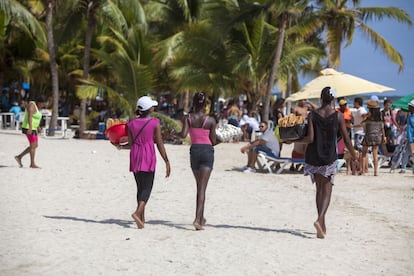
{"x": 228, "y": 133}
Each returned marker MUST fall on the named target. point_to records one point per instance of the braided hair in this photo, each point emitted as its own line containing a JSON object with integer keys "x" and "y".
{"x": 199, "y": 101}
{"x": 327, "y": 95}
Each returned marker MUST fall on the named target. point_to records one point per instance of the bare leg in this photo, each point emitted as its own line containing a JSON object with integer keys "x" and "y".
{"x": 252, "y": 157}
{"x": 318, "y": 198}
{"x": 20, "y": 156}
{"x": 364, "y": 159}
{"x": 325, "y": 186}
{"x": 138, "y": 215}
{"x": 33, "y": 147}
{"x": 202, "y": 176}
{"x": 375, "y": 156}
{"x": 366, "y": 164}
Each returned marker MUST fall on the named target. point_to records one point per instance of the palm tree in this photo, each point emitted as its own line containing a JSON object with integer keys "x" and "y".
{"x": 51, "y": 6}
{"x": 339, "y": 21}
{"x": 15, "y": 18}
{"x": 126, "y": 60}
{"x": 285, "y": 11}
{"x": 276, "y": 14}
{"x": 120, "y": 62}
{"x": 96, "y": 12}
{"x": 199, "y": 62}
{"x": 167, "y": 21}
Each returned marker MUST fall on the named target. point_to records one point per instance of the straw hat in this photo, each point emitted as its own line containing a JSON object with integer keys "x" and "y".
{"x": 372, "y": 104}
{"x": 342, "y": 102}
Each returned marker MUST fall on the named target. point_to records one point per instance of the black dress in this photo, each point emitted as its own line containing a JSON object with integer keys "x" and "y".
{"x": 323, "y": 149}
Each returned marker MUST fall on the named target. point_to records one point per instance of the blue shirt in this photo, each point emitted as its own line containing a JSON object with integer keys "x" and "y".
{"x": 16, "y": 110}
{"x": 410, "y": 128}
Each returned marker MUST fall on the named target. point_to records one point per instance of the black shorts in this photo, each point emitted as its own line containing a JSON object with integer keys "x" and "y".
{"x": 24, "y": 131}
{"x": 201, "y": 156}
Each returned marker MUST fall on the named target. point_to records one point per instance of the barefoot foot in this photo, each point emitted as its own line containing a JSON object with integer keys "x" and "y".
{"x": 138, "y": 221}
{"x": 319, "y": 231}
{"x": 19, "y": 161}
{"x": 197, "y": 226}
{"x": 35, "y": 167}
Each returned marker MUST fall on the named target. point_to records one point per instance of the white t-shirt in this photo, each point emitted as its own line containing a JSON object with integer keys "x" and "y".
{"x": 271, "y": 141}
{"x": 358, "y": 120}
{"x": 253, "y": 123}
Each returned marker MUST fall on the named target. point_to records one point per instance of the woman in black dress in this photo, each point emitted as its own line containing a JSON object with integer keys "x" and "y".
{"x": 321, "y": 152}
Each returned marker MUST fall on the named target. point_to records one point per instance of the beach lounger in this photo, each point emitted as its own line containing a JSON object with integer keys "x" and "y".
{"x": 340, "y": 163}
{"x": 277, "y": 165}
{"x": 270, "y": 164}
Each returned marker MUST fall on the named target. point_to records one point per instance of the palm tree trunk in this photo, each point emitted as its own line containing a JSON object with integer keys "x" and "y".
{"x": 53, "y": 66}
{"x": 186, "y": 101}
{"x": 288, "y": 92}
{"x": 86, "y": 61}
{"x": 276, "y": 61}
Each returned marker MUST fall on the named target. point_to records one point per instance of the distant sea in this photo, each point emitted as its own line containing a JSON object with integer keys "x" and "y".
{"x": 386, "y": 95}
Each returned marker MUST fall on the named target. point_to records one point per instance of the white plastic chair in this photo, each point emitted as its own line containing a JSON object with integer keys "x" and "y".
{"x": 19, "y": 122}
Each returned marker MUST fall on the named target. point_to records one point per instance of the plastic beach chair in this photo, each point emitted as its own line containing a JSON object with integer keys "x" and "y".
{"x": 270, "y": 163}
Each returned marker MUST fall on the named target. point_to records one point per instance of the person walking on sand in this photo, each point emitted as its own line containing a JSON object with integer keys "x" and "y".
{"x": 374, "y": 135}
{"x": 410, "y": 129}
{"x": 31, "y": 127}
{"x": 143, "y": 131}
{"x": 321, "y": 155}
{"x": 359, "y": 116}
{"x": 202, "y": 130}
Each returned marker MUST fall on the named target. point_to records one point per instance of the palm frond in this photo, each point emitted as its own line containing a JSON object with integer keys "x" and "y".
{"x": 377, "y": 40}
{"x": 15, "y": 11}
{"x": 380, "y": 13}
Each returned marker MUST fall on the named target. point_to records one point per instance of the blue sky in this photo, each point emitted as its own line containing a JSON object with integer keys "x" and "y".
{"x": 363, "y": 60}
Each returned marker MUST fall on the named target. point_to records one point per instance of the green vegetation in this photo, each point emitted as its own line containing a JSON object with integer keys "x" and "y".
{"x": 131, "y": 48}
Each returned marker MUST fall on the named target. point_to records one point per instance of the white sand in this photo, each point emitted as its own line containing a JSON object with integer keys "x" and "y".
{"x": 72, "y": 217}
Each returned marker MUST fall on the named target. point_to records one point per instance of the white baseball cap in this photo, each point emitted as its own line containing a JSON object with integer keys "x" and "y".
{"x": 144, "y": 103}
{"x": 411, "y": 103}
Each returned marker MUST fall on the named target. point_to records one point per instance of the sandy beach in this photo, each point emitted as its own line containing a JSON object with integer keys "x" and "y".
{"x": 73, "y": 217}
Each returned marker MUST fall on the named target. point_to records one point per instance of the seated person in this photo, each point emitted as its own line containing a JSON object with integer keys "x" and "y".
{"x": 248, "y": 125}
{"x": 267, "y": 142}
{"x": 233, "y": 113}
{"x": 302, "y": 109}
{"x": 16, "y": 109}
{"x": 351, "y": 167}
{"x": 298, "y": 152}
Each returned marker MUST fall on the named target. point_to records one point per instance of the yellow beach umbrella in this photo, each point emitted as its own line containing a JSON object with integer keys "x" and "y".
{"x": 344, "y": 85}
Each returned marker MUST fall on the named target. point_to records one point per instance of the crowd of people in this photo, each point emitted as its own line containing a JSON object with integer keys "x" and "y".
{"x": 335, "y": 132}
{"x": 358, "y": 130}
{"x": 374, "y": 132}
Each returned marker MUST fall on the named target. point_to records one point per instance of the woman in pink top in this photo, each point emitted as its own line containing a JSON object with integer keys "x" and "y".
{"x": 202, "y": 129}
{"x": 143, "y": 131}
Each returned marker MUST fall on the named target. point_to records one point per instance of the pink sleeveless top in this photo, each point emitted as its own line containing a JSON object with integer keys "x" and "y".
{"x": 142, "y": 156}
{"x": 199, "y": 135}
